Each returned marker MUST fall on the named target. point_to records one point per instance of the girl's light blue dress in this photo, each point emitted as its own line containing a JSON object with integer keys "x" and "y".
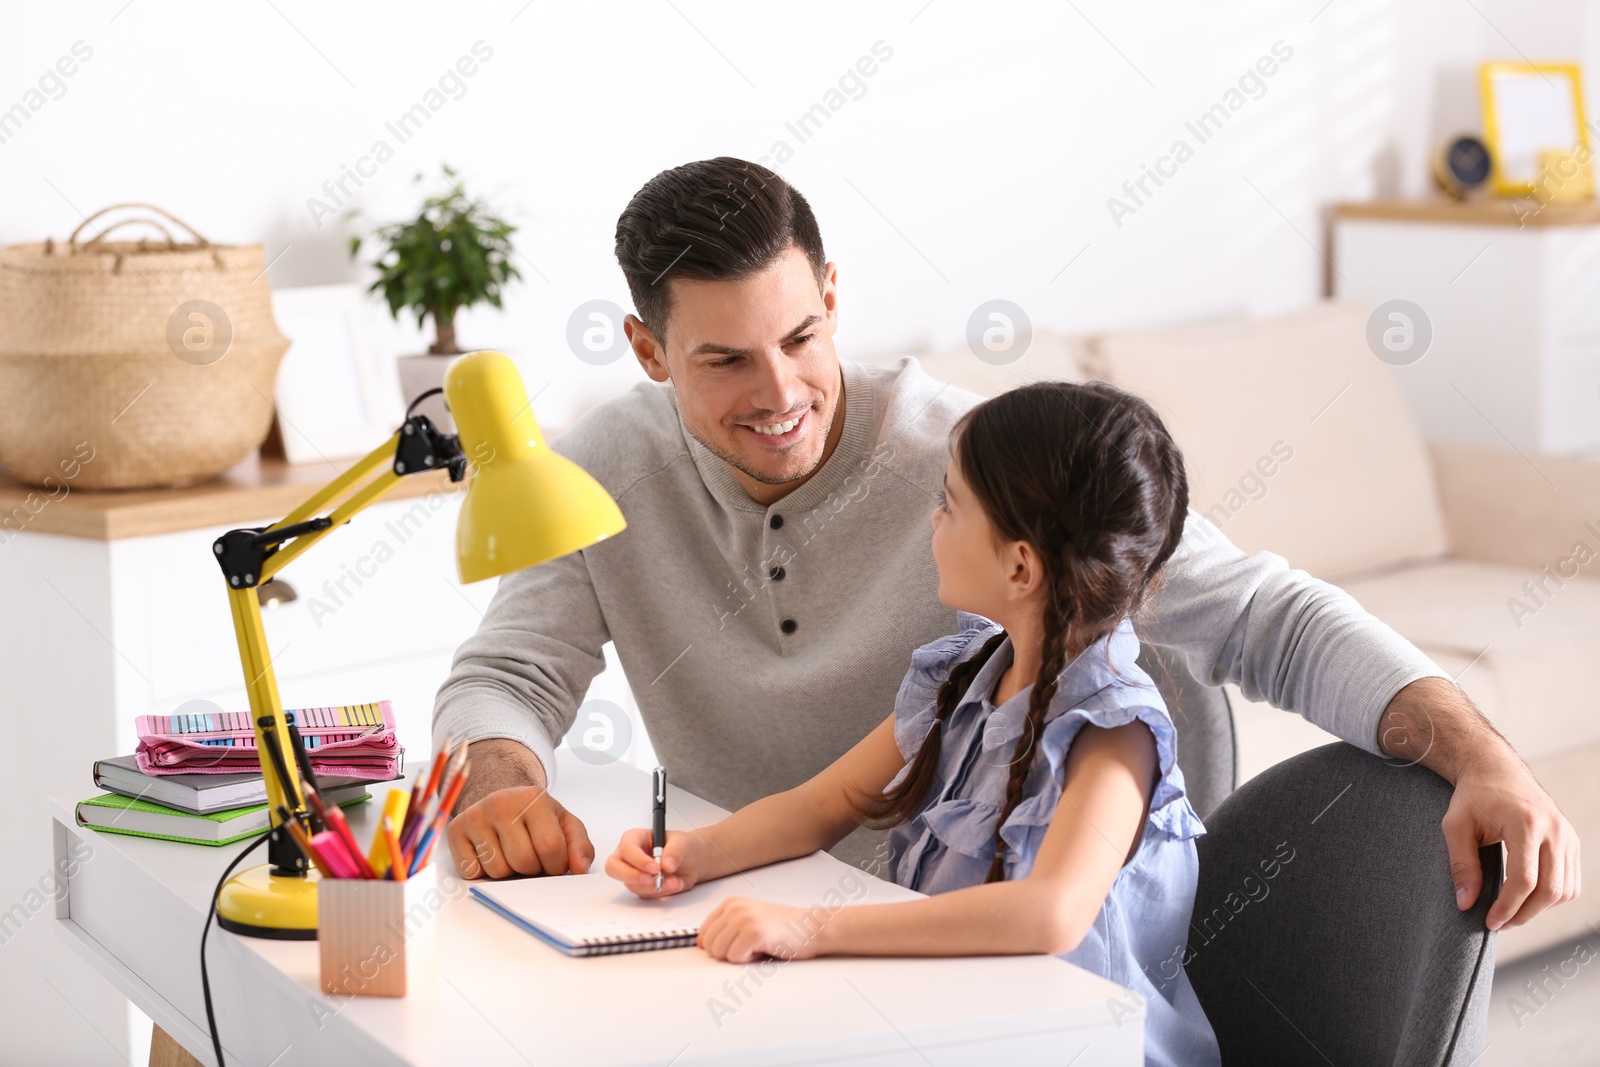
{"x": 1139, "y": 937}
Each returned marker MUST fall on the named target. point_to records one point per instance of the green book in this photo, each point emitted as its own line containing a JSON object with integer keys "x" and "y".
{"x": 125, "y": 815}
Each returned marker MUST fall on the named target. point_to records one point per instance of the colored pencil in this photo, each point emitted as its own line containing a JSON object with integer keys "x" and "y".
{"x": 454, "y": 762}
{"x": 425, "y": 845}
{"x": 397, "y": 864}
{"x": 336, "y": 821}
{"x": 414, "y": 809}
{"x": 303, "y": 840}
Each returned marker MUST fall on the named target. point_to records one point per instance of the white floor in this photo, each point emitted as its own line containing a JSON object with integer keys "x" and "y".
{"x": 1557, "y": 1020}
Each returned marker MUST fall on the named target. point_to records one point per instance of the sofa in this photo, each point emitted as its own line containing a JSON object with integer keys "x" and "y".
{"x": 1298, "y": 442}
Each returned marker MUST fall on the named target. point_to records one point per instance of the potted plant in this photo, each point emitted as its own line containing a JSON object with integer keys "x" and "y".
{"x": 454, "y": 255}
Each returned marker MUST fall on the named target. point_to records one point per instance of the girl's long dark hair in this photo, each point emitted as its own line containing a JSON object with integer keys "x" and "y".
{"x": 1088, "y": 475}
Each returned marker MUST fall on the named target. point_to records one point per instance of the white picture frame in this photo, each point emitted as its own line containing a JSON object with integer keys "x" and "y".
{"x": 333, "y": 400}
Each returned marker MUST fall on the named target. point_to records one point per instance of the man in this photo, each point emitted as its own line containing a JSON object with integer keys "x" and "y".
{"x": 776, "y": 574}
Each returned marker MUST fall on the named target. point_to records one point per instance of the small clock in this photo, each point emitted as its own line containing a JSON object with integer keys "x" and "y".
{"x": 1462, "y": 165}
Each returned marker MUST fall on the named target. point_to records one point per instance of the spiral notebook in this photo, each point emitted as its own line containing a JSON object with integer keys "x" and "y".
{"x": 595, "y": 915}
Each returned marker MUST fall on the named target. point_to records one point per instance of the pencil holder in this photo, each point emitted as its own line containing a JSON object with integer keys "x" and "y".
{"x": 376, "y": 938}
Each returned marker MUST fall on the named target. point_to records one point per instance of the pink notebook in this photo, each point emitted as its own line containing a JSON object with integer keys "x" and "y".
{"x": 353, "y": 740}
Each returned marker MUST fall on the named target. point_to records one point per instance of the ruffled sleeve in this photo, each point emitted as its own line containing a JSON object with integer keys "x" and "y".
{"x": 931, "y": 664}
{"x": 1170, "y": 810}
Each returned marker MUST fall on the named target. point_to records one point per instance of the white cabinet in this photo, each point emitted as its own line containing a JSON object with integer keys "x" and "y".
{"x": 96, "y": 631}
{"x": 1514, "y": 310}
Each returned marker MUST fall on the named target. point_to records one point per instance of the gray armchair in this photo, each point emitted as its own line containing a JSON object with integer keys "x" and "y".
{"x": 1324, "y": 927}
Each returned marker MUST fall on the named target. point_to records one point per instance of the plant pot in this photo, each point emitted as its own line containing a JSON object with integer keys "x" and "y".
{"x": 418, "y": 374}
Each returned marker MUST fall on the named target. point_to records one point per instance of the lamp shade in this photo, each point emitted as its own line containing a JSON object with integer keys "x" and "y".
{"x": 524, "y": 503}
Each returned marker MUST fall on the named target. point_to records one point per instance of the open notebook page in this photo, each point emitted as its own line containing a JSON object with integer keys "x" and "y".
{"x": 579, "y": 909}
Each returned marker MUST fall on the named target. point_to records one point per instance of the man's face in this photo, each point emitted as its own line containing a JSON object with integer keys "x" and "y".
{"x": 754, "y": 369}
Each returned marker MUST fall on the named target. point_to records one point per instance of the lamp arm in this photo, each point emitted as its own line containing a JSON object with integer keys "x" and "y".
{"x": 249, "y": 557}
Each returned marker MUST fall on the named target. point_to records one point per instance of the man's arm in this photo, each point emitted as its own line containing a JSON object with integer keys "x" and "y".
{"x": 523, "y": 673}
{"x": 513, "y": 691}
{"x": 1497, "y": 798}
{"x": 1280, "y": 635}
{"x": 1306, "y": 646}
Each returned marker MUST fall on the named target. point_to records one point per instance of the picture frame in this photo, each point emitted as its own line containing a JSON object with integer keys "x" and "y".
{"x": 333, "y": 400}
{"x": 1529, "y": 108}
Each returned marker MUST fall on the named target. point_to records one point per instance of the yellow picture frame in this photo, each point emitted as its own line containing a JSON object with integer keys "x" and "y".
{"x": 1514, "y": 129}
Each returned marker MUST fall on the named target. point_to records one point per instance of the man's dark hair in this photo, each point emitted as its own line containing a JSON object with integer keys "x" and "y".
{"x": 714, "y": 220}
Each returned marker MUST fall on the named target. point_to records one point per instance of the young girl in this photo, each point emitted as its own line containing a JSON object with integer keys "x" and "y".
{"x": 1029, "y": 771}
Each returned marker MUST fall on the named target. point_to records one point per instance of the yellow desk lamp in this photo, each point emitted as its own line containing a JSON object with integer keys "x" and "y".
{"x": 524, "y": 505}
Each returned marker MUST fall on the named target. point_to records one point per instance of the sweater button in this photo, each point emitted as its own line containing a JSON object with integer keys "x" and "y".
{"x": 776, "y": 574}
{"x": 787, "y": 626}
{"x": 776, "y": 522}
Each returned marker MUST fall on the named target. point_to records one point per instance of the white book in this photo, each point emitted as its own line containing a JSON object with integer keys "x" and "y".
{"x": 594, "y": 914}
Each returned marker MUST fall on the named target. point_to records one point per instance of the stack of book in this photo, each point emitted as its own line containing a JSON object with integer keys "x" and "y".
{"x": 202, "y": 809}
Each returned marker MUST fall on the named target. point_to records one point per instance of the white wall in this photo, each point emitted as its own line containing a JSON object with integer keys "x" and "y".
{"x": 977, "y": 163}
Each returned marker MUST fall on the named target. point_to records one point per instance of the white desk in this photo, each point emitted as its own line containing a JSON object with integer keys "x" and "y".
{"x": 135, "y": 909}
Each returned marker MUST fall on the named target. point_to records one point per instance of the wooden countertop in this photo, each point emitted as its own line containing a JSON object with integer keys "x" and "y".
{"x": 1489, "y": 212}
{"x": 258, "y": 488}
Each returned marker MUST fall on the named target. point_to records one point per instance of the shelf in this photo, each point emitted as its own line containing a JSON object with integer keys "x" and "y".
{"x": 258, "y": 488}
{"x": 1519, "y": 213}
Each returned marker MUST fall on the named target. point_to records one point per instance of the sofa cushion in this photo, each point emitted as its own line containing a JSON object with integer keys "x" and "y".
{"x": 1296, "y": 437}
{"x": 1048, "y": 355}
{"x": 1528, "y": 656}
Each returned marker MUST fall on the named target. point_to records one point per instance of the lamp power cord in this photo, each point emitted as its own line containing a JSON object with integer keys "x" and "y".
{"x": 205, "y": 932}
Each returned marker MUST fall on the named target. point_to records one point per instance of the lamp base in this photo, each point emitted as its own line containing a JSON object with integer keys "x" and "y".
{"x": 257, "y": 903}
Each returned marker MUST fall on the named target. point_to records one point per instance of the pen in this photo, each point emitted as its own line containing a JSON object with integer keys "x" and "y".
{"x": 308, "y": 775}
{"x": 658, "y": 817}
{"x": 285, "y": 783}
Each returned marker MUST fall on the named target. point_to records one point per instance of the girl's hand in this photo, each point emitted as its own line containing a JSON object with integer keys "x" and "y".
{"x": 634, "y": 863}
{"x": 741, "y": 930}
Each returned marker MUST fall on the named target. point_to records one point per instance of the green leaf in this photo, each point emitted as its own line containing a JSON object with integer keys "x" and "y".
{"x": 454, "y": 254}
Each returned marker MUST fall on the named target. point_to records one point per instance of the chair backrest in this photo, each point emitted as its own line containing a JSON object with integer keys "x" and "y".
{"x": 1208, "y": 749}
{"x": 1325, "y": 927}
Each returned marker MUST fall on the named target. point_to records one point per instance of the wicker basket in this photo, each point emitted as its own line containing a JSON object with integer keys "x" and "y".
{"x": 156, "y": 360}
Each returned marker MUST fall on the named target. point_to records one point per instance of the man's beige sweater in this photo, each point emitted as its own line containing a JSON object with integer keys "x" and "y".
{"x": 762, "y": 642}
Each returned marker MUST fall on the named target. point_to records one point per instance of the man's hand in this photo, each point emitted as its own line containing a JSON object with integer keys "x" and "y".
{"x": 1432, "y": 722}
{"x": 1503, "y": 802}
{"x": 507, "y": 823}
